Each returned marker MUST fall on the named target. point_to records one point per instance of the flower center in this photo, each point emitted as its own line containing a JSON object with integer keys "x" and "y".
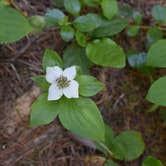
{"x": 62, "y": 82}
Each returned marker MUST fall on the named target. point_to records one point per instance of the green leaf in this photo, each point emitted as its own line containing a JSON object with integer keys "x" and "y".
{"x": 125, "y": 11}
{"x": 157, "y": 92}
{"x": 59, "y": 3}
{"x": 81, "y": 38}
{"x": 133, "y": 30}
{"x": 44, "y": 111}
{"x": 89, "y": 86}
{"x": 51, "y": 58}
{"x": 153, "y": 35}
{"x": 138, "y": 61}
{"x": 159, "y": 13}
{"x": 75, "y": 55}
{"x": 128, "y": 146}
{"x": 157, "y": 54}
{"x": 67, "y": 33}
{"x": 137, "y": 17}
{"x": 110, "y": 163}
{"x": 13, "y": 25}
{"x": 72, "y": 6}
{"x": 151, "y": 161}
{"x": 82, "y": 117}
{"x": 111, "y": 28}
{"x": 87, "y": 23}
{"x": 91, "y": 3}
{"x": 41, "y": 82}
{"x": 53, "y": 16}
{"x": 106, "y": 52}
{"x": 109, "y": 8}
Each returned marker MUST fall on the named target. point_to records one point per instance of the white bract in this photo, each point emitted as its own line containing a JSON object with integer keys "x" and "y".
{"x": 62, "y": 82}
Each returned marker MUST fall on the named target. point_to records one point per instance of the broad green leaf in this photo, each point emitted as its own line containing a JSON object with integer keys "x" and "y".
{"x": 82, "y": 117}
{"x": 53, "y": 16}
{"x": 13, "y": 25}
{"x": 125, "y": 11}
{"x": 157, "y": 92}
{"x": 91, "y": 2}
{"x": 159, "y": 13}
{"x": 133, "y": 30}
{"x": 113, "y": 27}
{"x": 41, "y": 82}
{"x": 67, "y": 33}
{"x": 72, "y": 6}
{"x": 51, "y": 58}
{"x": 59, "y": 3}
{"x": 110, "y": 163}
{"x": 87, "y": 23}
{"x": 44, "y": 111}
{"x": 151, "y": 161}
{"x": 157, "y": 54}
{"x": 81, "y": 38}
{"x": 138, "y": 61}
{"x": 153, "y": 35}
{"x": 109, "y": 8}
{"x": 137, "y": 17}
{"x": 89, "y": 86}
{"x": 106, "y": 52}
{"x": 128, "y": 146}
{"x": 75, "y": 55}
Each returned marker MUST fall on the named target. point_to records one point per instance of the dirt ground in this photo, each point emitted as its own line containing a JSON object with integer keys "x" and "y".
{"x": 122, "y": 103}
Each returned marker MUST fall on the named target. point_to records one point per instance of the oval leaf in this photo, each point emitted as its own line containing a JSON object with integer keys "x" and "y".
{"x": 157, "y": 54}
{"x": 159, "y": 13}
{"x": 151, "y": 161}
{"x": 67, "y": 33}
{"x": 157, "y": 92}
{"x": 44, "y": 111}
{"x": 13, "y": 25}
{"x": 109, "y": 8}
{"x": 89, "y": 86}
{"x": 106, "y": 52}
{"x": 72, "y": 6}
{"x": 128, "y": 146}
{"x": 82, "y": 117}
{"x": 51, "y": 58}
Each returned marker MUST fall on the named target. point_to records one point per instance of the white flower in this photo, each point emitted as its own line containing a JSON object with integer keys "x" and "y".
{"x": 62, "y": 82}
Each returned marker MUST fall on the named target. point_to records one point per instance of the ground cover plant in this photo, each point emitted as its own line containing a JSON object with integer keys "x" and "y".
{"x": 93, "y": 31}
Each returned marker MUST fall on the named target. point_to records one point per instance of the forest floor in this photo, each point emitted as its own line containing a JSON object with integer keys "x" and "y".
{"x": 122, "y": 103}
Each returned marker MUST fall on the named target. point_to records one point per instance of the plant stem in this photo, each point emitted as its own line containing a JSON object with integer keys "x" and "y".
{"x": 153, "y": 108}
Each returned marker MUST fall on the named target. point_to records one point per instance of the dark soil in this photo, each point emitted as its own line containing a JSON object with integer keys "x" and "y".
{"x": 122, "y": 103}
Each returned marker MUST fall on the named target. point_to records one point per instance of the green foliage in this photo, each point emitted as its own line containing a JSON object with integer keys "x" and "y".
{"x": 106, "y": 52}
{"x": 110, "y": 163}
{"x": 138, "y": 61}
{"x": 127, "y": 146}
{"x": 13, "y": 25}
{"x": 133, "y": 30}
{"x": 153, "y": 35}
{"x": 137, "y": 17}
{"x": 110, "y": 28}
{"x": 157, "y": 54}
{"x": 89, "y": 86}
{"x": 67, "y": 33}
{"x": 109, "y": 8}
{"x": 82, "y": 117}
{"x": 151, "y": 161}
{"x": 41, "y": 82}
{"x": 75, "y": 55}
{"x": 157, "y": 92}
{"x": 81, "y": 39}
{"x": 125, "y": 11}
{"x": 87, "y": 23}
{"x": 91, "y": 3}
{"x": 59, "y": 3}
{"x": 44, "y": 111}
{"x": 72, "y": 6}
{"x": 51, "y": 58}
{"x": 53, "y": 16}
{"x": 159, "y": 13}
